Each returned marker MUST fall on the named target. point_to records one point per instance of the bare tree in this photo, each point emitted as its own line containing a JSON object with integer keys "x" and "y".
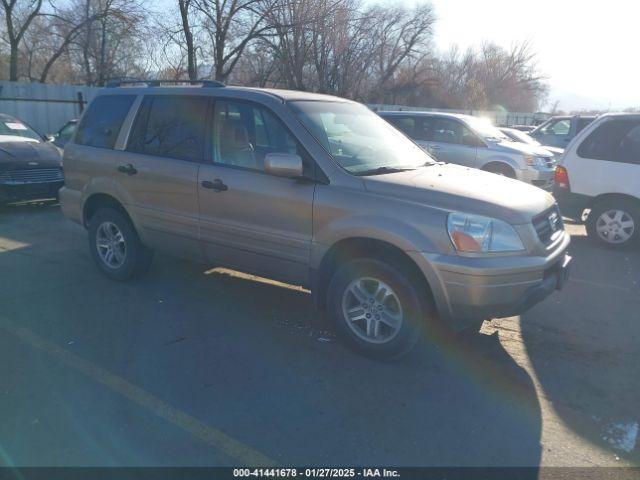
{"x": 185, "y": 7}
{"x": 19, "y": 15}
{"x": 231, "y": 26}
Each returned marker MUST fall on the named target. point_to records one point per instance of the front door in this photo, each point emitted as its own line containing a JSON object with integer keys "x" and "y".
{"x": 251, "y": 220}
{"x": 452, "y": 142}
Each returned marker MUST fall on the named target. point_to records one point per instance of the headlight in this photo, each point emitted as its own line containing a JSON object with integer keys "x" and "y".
{"x": 534, "y": 161}
{"x": 475, "y": 233}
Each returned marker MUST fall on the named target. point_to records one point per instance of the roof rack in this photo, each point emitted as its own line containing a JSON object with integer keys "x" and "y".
{"x": 160, "y": 83}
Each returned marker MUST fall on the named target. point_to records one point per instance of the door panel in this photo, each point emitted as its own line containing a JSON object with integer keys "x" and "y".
{"x": 260, "y": 223}
{"x": 251, "y": 220}
{"x": 160, "y": 171}
{"x": 446, "y": 143}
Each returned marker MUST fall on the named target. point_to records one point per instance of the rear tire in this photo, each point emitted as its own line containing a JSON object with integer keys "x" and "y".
{"x": 378, "y": 310}
{"x": 116, "y": 247}
{"x": 615, "y": 223}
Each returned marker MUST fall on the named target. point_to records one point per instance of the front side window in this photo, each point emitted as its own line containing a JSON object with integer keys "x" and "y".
{"x": 404, "y": 124}
{"x": 452, "y": 131}
{"x": 360, "y": 141}
{"x": 616, "y": 141}
{"x": 169, "y": 126}
{"x": 101, "y": 124}
{"x": 559, "y": 127}
{"x": 244, "y": 133}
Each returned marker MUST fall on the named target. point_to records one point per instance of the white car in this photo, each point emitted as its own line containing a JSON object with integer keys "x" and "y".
{"x": 523, "y": 137}
{"x": 599, "y": 178}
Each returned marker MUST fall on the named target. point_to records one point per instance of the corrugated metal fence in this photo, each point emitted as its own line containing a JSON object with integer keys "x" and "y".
{"x": 46, "y": 107}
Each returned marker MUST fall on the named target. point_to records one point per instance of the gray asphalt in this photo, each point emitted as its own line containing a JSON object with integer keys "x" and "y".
{"x": 191, "y": 367}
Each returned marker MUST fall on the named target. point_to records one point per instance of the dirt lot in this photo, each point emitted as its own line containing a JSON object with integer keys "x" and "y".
{"x": 194, "y": 367}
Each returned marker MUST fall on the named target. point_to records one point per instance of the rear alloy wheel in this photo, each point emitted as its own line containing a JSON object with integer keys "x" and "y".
{"x": 614, "y": 224}
{"x": 378, "y": 309}
{"x": 115, "y": 246}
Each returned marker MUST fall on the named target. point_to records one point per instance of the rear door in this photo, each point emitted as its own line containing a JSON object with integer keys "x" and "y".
{"x": 608, "y": 160}
{"x": 160, "y": 171}
{"x": 451, "y": 141}
{"x": 251, "y": 220}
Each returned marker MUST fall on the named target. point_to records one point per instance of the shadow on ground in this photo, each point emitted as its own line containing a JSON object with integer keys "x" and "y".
{"x": 584, "y": 345}
{"x": 249, "y": 358}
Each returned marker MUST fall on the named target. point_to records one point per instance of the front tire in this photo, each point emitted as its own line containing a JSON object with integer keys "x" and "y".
{"x": 377, "y": 309}
{"x": 115, "y": 246}
{"x": 500, "y": 169}
{"x": 615, "y": 223}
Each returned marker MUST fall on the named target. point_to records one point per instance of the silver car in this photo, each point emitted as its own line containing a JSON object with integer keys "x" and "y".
{"x": 311, "y": 190}
{"x": 474, "y": 142}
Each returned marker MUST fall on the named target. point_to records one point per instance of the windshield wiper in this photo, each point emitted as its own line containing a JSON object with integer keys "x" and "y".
{"x": 383, "y": 170}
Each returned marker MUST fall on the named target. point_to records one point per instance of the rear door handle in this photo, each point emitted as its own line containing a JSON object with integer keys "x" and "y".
{"x": 127, "y": 169}
{"x": 217, "y": 185}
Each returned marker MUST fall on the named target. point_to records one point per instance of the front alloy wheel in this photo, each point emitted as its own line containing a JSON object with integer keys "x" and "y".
{"x": 372, "y": 309}
{"x": 380, "y": 309}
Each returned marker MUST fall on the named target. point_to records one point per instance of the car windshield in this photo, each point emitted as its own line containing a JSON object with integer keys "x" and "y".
{"x": 358, "y": 139}
{"x": 11, "y": 127}
{"x": 484, "y": 128}
{"x": 522, "y": 137}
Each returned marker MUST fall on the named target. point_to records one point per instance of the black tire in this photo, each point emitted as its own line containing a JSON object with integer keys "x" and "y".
{"x": 137, "y": 257}
{"x": 631, "y": 212}
{"x": 500, "y": 169}
{"x": 410, "y": 292}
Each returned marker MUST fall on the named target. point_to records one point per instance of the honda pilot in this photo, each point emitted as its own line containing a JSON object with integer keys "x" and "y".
{"x": 312, "y": 190}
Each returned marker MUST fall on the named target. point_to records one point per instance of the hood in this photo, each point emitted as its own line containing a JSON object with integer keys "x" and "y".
{"x": 524, "y": 148}
{"x": 457, "y": 188}
{"x": 27, "y": 154}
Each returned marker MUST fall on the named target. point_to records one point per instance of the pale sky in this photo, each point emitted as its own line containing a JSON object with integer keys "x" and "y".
{"x": 589, "y": 50}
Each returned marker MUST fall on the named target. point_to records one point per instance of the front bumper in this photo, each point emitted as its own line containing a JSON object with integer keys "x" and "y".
{"x": 29, "y": 191}
{"x": 467, "y": 289}
{"x": 542, "y": 178}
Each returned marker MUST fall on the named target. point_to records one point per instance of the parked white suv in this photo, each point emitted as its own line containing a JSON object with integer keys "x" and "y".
{"x": 599, "y": 178}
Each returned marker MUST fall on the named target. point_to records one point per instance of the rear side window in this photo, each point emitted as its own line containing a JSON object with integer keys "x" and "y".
{"x": 169, "y": 126}
{"x": 101, "y": 123}
{"x": 582, "y": 123}
{"x": 615, "y": 141}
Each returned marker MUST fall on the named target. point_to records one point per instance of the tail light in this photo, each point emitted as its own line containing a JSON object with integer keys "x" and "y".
{"x": 562, "y": 178}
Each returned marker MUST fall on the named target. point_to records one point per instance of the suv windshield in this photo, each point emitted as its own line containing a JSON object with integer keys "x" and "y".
{"x": 483, "y": 128}
{"x": 358, "y": 139}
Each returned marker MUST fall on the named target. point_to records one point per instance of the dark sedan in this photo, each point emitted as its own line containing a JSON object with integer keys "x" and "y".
{"x": 30, "y": 167}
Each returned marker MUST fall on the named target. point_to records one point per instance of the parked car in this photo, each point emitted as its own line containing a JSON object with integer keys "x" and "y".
{"x": 474, "y": 142}
{"x": 599, "y": 178}
{"x": 559, "y": 131}
{"x": 312, "y": 190}
{"x": 524, "y": 137}
{"x": 62, "y": 136}
{"x": 523, "y": 128}
{"x": 30, "y": 167}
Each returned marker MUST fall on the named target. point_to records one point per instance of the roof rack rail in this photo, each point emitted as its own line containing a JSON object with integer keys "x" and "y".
{"x": 160, "y": 83}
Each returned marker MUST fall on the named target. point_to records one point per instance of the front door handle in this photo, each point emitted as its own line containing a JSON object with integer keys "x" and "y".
{"x": 435, "y": 147}
{"x": 127, "y": 169}
{"x": 217, "y": 185}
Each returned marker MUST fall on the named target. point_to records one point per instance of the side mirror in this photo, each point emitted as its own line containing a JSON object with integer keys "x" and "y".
{"x": 283, "y": 165}
{"x": 50, "y": 137}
